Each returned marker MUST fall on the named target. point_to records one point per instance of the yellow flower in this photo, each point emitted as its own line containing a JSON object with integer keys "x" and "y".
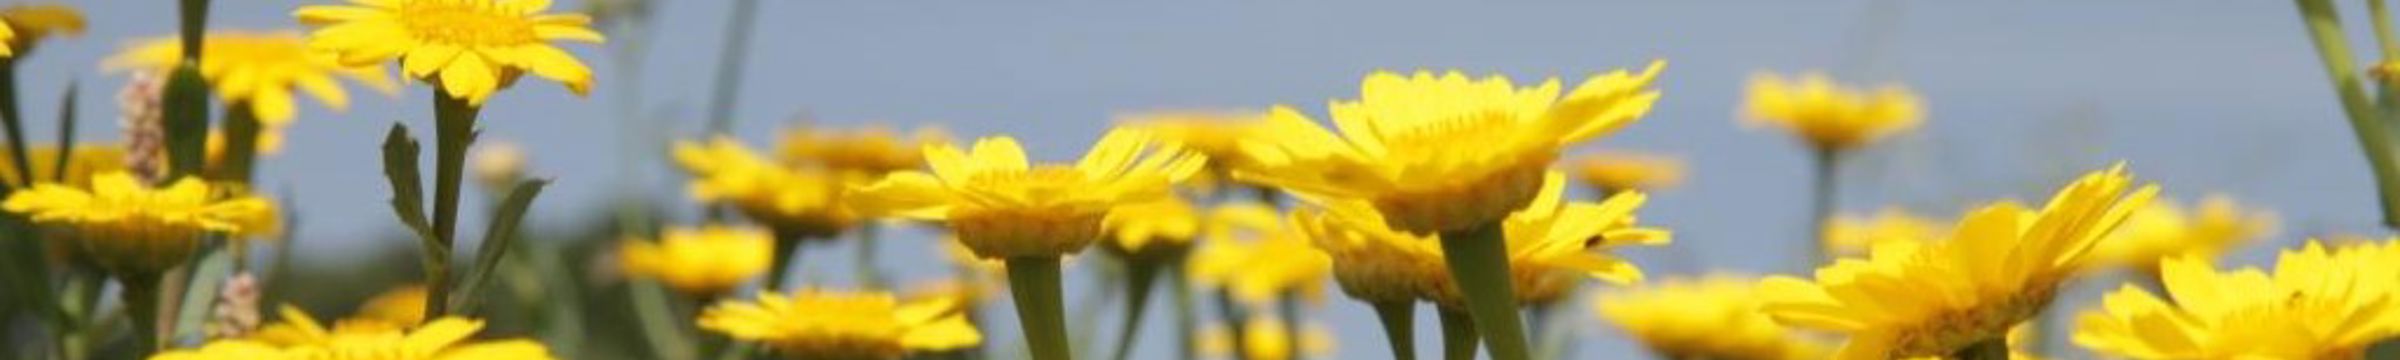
{"x": 1252, "y": 253}
{"x": 1713, "y": 317}
{"x": 807, "y": 201}
{"x": 1002, "y": 207}
{"x": 402, "y": 306}
{"x": 1829, "y": 116}
{"x": 300, "y": 338}
{"x": 1442, "y": 152}
{"x": 225, "y": 350}
{"x": 83, "y": 162}
{"x": 873, "y": 149}
{"x": 709, "y": 260}
{"x": 1552, "y": 243}
{"x": 815, "y": 324}
{"x": 2000, "y": 267}
{"x": 1612, "y": 172}
{"x": 467, "y": 48}
{"x": 1168, "y": 224}
{"x": 2317, "y": 304}
{"x": 2163, "y": 230}
{"x": 1217, "y": 134}
{"x": 26, "y": 24}
{"x": 1852, "y": 234}
{"x": 1266, "y": 338}
{"x": 259, "y": 70}
{"x": 134, "y": 228}
{"x": 1371, "y": 262}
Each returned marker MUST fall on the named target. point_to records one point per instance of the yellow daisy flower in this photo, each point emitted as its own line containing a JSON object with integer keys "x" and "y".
{"x": 1551, "y": 244}
{"x": 1442, "y": 152}
{"x": 1712, "y": 317}
{"x": 1217, "y": 134}
{"x": 225, "y": 350}
{"x": 1167, "y": 225}
{"x": 1266, "y": 338}
{"x": 816, "y": 324}
{"x": 1854, "y": 234}
{"x": 873, "y": 149}
{"x": 440, "y": 339}
{"x": 2000, "y": 267}
{"x": 2316, "y": 304}
{"x": 131, "y": 227}
{"x": 2164, "y": 229}
{"x": 1000, "y": 206}
{"x": 83, "y": 162}
{"x": 810, "y": 202}
{"x": 259, "y": 70}
{"x": 467, "y": 48}
{"x": 1829, "y": 116}
{"x": 402, "y": 306}
{"x": 1252, "y": 253}
{"x": 1616, "y": 171}
{"x": 21, "y": 26}
{"x": 704, "y": 261}
{"x": 1371, "y": 262}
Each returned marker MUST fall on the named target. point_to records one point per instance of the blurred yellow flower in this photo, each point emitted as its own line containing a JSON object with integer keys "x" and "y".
{"x": 1552, "y": 244}
{"x": 810, "y": 202}
{"x": 259, "y": 70}
{"x": 1829, "y": 116}
{"x": 1217, "y": 134}
{"x": 1266, "y": 338}
{"x": 2317, "y": 304}
{"x": 2000, "y": 267}
{"x": 299, "y": 337}
{"x": 873, "y": 149}
{"x": 2164, "y": 230}
{"x": 24, "y": 25}
{"x": 467, "y": 48}
{"x": 705, "y": 261}
{"x": 83, "y": 162}
{"x": 1371, "y": 262}
{"x": 1001, "y": 206}
{"x": 816, "y": 324}
{"x": 1712, "y": 317}
{"x": 1252, "y": 253}
{"x": 1616, "y": 171}
{"x": 1854, "y": 234}
{"x": 1168, "y": 224}
{"x": 225, "y": 350}
{"x": 1443, "y": 152}
{"x": 130, "y": 227}
{"x": 402, "y": 306}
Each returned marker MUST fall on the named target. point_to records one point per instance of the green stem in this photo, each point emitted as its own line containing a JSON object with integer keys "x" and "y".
{"x": 454, "y": 129}
{"x": 2378, "y": 13}
{"x": 2374, "y": 139}
{"x": 1993, "y": 349}
{"x": 241, "y": 144}
{"x": 1478, "y": 260}
{"x": 1826, "y": 167}
{"x": 1034, "y": 281}
{"x": 659, "y": 325}
{"x": 869, "y": 276}
{"x": 192, "y": 28}
{"x": 1458, "y": 335}
{"x": 1288, "y": 308}
{"x": 729, "y": 66}
{"x": 1187, "y": 322}
{"x": 1399, "y": 327}
{"x": 140, "y": 296}
{"x": 1230, "y": 313}
{"x": 787, "y": 251}
{"x": 185, "y": 107}
{"x": 12, "y": 118}
{"x": 1137, "y": 302}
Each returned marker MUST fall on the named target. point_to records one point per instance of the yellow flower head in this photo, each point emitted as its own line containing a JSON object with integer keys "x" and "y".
{"x": 815, "y": 324}
{"x": 467, "y": 48}
{"x": 810, "y": 201}
{"x": 1000, "y": 206}
{"x": 1217, "y": 134}
{"x": 2317, "y": 304}
{"x": 1442, "y": 152}
{"x": 1552, "y": 244}
{"x": 402, "y": 306}
{"x": 133, "y": 228}
{"x": 301, "y": 338}
{"x": 259, "y": 70}
{"x": 1852, "y": 234}
{"x": 1371, "y": 262}
{"x": 83, "y": 162}
{"x": 2000, "y": 267}
{"x": 1713, "y": 317}
{"x": 1251, "y": 252}
{"x": 2163, "y": 230}
{"x": 21, "y": 26}
{"x": 1266, "y": 338}
{"x": 709, "y": 260}
{"x": 873, "y": 149}
{"x": 1829, "y": 116}
{"x": 1612, "y": 172}
{"x": 1166, "y": 225}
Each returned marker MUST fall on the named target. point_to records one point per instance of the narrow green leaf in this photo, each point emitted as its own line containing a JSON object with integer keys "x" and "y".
{"x": 200, "y": 293}
{"x": 496, "y": 240}
{"x": 66, "y": 134}
{"x": 186, "y": 115}
{"x": 408, "y": 189}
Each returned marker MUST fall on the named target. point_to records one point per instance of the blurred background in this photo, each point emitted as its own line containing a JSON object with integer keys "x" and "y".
{"x": 2203, "y": 98}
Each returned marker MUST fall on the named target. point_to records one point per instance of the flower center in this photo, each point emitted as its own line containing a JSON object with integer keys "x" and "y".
{"x": 465, "y": 24}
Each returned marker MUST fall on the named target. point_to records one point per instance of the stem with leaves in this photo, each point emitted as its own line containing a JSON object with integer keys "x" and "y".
{"x": 1478, "y": 261}
{"x": 2374, "y": 136}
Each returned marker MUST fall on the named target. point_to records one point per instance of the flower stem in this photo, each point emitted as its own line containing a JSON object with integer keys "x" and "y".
{"x": 729, "y": 66}
{"x": 1137, "y": 301}
{"x": 1288, "y": 308}
{"x": 12, "y": 118}
{"x": 454, "y": 132}
{"x": 1993, "y": 349}
{"x": 2374, "y": 139}
{"x": 1827, "y": 166}
{"x": 241, "y": 144}
{"x": 141, "y": 304}
{"x": 1230, "y": 313}
{"x": 1034, "y": 281}
{"x": 869, "y": 276}
{"x": 2378, "y": 12}
{"x": 787, "y": 251}
{"x": 1478, "y": 260}
{"x": 1458, "y": 335}
{"x": 1187, "y": 320}
{"x": 1399, "y": 327}
{"x": 657, "y": 318}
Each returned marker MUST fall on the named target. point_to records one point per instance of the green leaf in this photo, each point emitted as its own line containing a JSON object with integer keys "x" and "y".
{"x": 408, "y": 189}
{"x": 496, "y": 242}
{"x": 66, "y": 134}
{"x": 186, "y": 106}
{"x": 200, "y": 293}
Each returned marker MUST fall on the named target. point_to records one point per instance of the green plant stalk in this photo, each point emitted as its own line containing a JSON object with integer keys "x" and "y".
{"x": 1140, "y": 275}
{"x": 140, "y": 296}
{"x": 241, "y": 145}
{"x": 2378, "y": 12}
{"x": 1230, "y": 313}
{"x": 1553, "y": 335}
{"x": 12, "y": 118}
{"x": 1993, "y": 349}
{"x": 1034, "y": 282}
{"x": 1288, "y": 308}
{"x": 870, "y": 276}
{"x": 729, "y": 66}
{"x": 2374, "y": 139}
{"x": 659, "y": 327}
{"x": 82, "y": 294}
{"x": 1478, "y": 260}
{"x": 186, "y": 120}
{"x": 787, "y": 251}
{"x": 1187, "y": 321}
{"x": 1399, "y": 320}
{"x": 193, "y": 28}
{"x": 454, "y": 132}
{"x": 1458, "y": 335}
{"x": 1826, "y": 167}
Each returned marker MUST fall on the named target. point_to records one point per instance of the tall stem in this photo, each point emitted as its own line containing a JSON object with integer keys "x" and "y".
{"x": 1231, "y": 314}
{"x": 2378, "y": 12}
{"x": 1140, "y": 275}
{"x": 729, "y": 66}
{"x": 241, "y": 144}
{"x": 787, "y": 251}
{"x": 1187, "y": 322}
{"x": 1399, "y": 327}
{"x": 1288, "y": 308}
{"x": 2374, "y": 139}
{"x": 1458, "y": 335}
{"x": 1478, "y": 260}
{"x": 12, "y": 118}
{"x": 1827, "y": 170}
{"x": 1034, "y": 281}
{"x": 454, "y": 130}
{"x": 1993, "y": 349}
{"x": 141, "y": 304}
{"x": 870, "y": 276}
